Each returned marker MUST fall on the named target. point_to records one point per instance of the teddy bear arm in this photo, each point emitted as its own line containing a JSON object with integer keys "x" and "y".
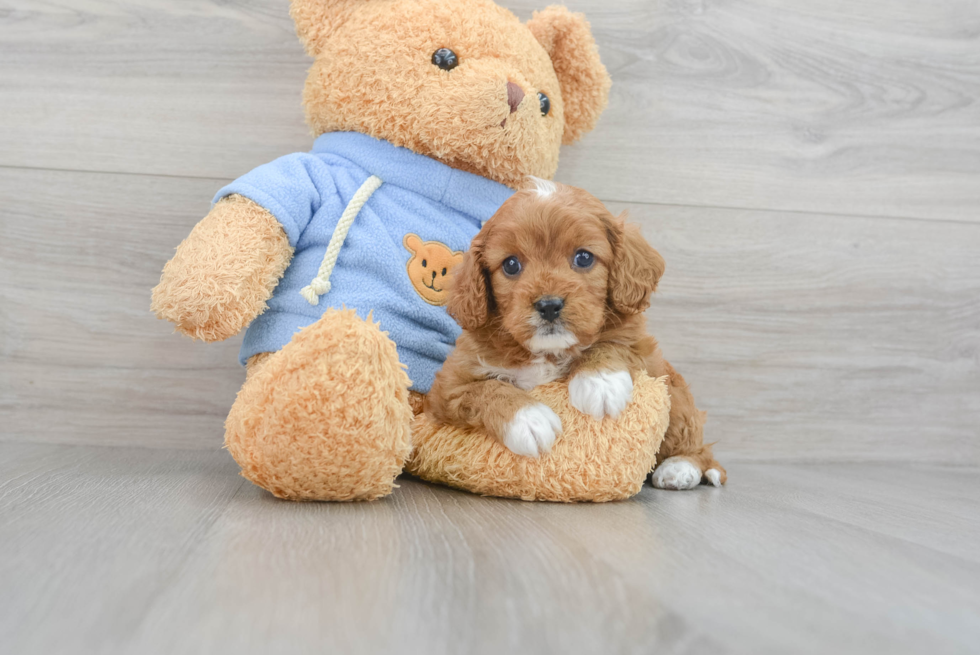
{"x": 224, "y": 272}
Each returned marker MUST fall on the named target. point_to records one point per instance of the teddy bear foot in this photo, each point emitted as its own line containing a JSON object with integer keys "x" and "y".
{"x": 327, "y": 417}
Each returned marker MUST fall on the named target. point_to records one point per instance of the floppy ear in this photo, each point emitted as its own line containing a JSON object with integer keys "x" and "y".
{"x": 412, "y": 243}
{"x": 316, "y": 20}
{"x": 585, "y": 83}
{"x": 636, "y": 269}
{"x": 470, "y": 300}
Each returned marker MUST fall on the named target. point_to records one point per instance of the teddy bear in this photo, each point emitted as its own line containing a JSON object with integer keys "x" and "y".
{"x": 427, "y": 116}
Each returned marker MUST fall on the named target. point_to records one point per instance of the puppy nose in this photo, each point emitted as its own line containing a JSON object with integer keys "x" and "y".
{"x": 514, "y": 96}
{"x": 549, "y": 308}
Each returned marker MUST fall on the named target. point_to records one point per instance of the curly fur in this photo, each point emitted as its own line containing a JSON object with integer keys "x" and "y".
{"x": 327, "y": 416}
{"x": 591, "y": 462}
{"x": 224, "y": 272}
{"x": 485, "y": 382}
{"x": 456, "y": 116}
{"x": 567, "y": 38}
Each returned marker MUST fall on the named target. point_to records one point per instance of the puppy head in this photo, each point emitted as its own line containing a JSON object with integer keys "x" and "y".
{"x": 551, "y": 267}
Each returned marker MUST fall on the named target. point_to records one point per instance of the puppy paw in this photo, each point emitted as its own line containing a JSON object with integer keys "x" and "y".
{"x": 676, "y": 473}
{"x": 714, "y": 477}
{"x": 601, "y": 393}
{"x": 532, "y": 431}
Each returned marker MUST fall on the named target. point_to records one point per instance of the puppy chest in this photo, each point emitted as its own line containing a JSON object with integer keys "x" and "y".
{"x": 539, "y": 372}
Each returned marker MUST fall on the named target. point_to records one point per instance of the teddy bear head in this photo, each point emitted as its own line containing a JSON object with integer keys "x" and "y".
{"x": 463, "y": 82}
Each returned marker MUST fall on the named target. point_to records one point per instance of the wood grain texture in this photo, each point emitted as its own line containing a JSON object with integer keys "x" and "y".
{"x": 805, "y": 338}
{"x": 857, "y": 108}
{"x": 90, "y": 537}
{"x": 81, "y": 356}
{"x": 823, "y": 337}
{"x": 158, "y": 551}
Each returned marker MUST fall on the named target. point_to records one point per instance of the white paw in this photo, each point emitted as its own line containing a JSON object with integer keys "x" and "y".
{"x": 676, "y": 473}
{"x": 532, "y": 430}
{"x": 601, "y": 393}
{"x": 714, "y": 477}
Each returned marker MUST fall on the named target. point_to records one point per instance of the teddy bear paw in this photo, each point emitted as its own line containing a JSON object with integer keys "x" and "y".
{"x": 676, "y": 473}
{"x": 532, "y": 431}
{"x": 601, "y": 393}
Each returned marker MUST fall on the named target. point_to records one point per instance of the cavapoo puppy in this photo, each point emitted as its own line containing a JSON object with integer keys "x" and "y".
{"x": 553, "y": 287}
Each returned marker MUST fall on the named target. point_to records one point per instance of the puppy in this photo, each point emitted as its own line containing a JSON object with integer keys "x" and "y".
{"x": 554, "y": 287}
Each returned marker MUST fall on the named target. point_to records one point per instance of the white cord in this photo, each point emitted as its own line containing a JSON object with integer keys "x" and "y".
{"x": 321, "y": 283}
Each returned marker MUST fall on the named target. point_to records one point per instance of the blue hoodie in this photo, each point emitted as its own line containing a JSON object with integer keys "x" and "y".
{"x": 308, "y": 192}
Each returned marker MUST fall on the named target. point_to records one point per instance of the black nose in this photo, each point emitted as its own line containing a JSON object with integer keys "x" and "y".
{"x": 549, "y": 308}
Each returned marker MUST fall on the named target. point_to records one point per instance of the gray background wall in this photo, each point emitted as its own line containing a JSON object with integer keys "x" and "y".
{"x": 809, "y": 170}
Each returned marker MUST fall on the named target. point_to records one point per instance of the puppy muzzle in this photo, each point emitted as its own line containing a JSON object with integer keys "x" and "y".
{"x": 549, "y": 308}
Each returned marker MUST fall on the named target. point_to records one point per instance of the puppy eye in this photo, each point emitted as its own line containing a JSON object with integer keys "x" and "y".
{"x": 584, "y": 259}
{"x": 545, "y": 104}
{"x": 445, "y": 59}
{"x": 512, "y": 266}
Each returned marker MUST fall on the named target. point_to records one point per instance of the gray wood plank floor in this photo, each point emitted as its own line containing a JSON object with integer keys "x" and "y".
{"x": 169, "y": 551}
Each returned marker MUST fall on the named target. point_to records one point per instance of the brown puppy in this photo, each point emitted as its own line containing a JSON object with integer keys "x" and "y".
{"x": 554, "y": 287}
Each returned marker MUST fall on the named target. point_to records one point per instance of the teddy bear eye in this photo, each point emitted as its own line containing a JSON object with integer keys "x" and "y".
{"x": 584, "y": 259}
{"x": 425, "y": 263}
{"x": 545, "y": 104}
{"x": 512, "y": 266}
{"x": 445, "y": 59}
{"x": 444, "y": 272}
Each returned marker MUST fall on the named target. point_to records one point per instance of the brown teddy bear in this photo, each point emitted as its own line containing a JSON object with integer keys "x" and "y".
{"x": 428, "y": 115}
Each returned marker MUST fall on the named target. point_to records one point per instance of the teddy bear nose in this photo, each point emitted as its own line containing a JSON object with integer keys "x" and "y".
{"x": 514, "y": 96}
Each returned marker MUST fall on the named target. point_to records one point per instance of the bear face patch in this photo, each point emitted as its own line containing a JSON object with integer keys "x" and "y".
{"x": 430, "y": 268}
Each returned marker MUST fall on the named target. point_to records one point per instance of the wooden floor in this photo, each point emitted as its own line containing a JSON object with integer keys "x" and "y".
{"x": 130, "y": 550}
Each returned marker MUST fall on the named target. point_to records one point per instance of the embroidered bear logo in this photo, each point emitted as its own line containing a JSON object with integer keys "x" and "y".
{"x": 430, "y": 268}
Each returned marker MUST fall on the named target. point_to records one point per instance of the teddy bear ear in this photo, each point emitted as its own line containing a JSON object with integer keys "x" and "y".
{"x": 567, "y": 38}
{"x": 316, "y": 20}
{"x": 412, "y": 243}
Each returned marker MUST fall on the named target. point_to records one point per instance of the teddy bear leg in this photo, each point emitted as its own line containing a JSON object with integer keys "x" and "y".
{"x": 325, "y": 418}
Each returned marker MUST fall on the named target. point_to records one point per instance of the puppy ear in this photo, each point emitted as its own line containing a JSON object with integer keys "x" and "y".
{"x": 584, "y": 81}
{"x": 635, "y": 271}
{"x": 412, "y": 243}
{"x": 317, "y": 20}
{"x": 470, "y": 300}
